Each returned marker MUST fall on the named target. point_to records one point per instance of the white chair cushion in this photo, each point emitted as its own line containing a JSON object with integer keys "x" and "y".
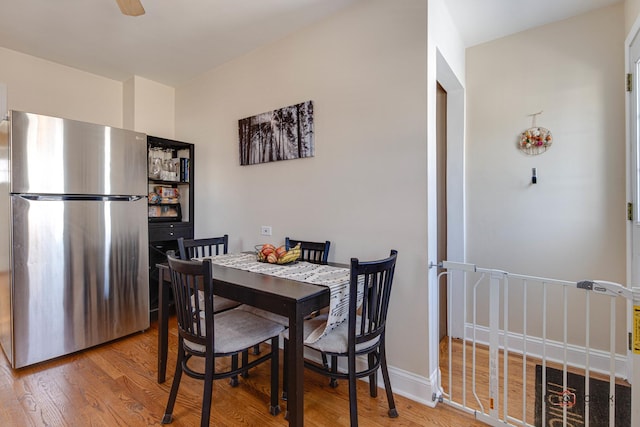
{"x": 237, "y": 330}
{"x": 281, "y": 320}
{"x": 310, "y": 325}
{"x": 336, "y": 340}
{"x": 272, "y": 316}
{"x": 219, "y": 303}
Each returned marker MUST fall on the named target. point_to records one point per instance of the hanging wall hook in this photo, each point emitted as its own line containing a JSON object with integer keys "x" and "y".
{"x": 534, "y": 176}
{"x": 534, "y": 117}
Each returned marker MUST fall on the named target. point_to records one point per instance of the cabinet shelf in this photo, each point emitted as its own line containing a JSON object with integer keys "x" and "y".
{"x": 169, "y": 221}
{"x": 161, "y": 182}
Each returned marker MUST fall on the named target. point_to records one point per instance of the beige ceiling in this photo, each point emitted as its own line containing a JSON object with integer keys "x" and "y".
{"x": 480, "y": 21}
{"x": 174, "y": 41}
{"x": 178, "y": 39}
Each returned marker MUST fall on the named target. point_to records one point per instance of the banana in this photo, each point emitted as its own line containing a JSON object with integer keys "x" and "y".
{"x": 286, "y": 258}
{"x": 296, "y": 249}
{"x": 291, "y": 255}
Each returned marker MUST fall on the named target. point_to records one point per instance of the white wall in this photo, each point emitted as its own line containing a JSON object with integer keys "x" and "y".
{"x": 365, "y": 189}
{"x": 39, "y": 86}
{"x": 631, "y": 12}
{"x": 571, "y": 225}
{"x": 44, "y": 87}
{"x": 446, "y": 38}
{"x": 149, "y": 107}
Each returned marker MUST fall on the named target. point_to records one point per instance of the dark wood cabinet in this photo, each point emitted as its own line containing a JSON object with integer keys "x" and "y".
{"x": 171, "y": 231}
{"x": 171, "y": 199}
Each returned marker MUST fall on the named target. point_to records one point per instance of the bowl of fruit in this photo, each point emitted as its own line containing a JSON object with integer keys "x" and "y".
{"x": 280, "y": 255}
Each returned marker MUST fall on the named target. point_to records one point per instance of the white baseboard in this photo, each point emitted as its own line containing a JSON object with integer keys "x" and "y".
{"x": 599, "y": 360}
{"x": 412, "y": 386}
{"x": 403, "y": 383}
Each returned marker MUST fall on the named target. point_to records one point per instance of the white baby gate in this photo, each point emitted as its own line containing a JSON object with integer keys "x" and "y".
{"x": 508, "y": 334}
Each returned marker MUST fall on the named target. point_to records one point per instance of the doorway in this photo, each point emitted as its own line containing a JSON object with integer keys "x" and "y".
{"x": 448, "y": 208}
{"x": 441, "y": 162}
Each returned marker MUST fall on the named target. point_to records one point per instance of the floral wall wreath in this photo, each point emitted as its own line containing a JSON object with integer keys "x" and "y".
{"x": 536, "y": 139}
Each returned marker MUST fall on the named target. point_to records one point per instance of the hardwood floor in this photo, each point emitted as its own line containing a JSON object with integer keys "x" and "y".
{"x": 516, "y": 386}
{"x": 115, "y": 385}
{"x": 521, "y": 389}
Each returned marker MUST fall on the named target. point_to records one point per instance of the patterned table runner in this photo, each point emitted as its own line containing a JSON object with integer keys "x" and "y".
{"x": 335, "y": 278}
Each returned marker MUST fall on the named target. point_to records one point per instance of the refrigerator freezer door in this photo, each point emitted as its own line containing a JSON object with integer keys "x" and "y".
{"x": 80, "y": 274}
{"x": 50, "y": 155}
{"x": 5, "y": 242}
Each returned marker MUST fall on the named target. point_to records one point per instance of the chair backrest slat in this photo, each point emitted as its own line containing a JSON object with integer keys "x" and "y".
{"x": 314, "y": 252}
{"x": 187, "y": 279}
{"x": 376, "y": 279}
{"x": 201, "y": 248}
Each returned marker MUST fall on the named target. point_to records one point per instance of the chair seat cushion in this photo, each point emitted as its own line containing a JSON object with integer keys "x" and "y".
{"x": 219, "y": 303}
{"x": 276, "y": 317}
{"x": 237, "y": 330}
{"x": 222, "y": 304}
{"x": 310, "y": 325}
{"x": 336, "y": 340}
{"x": 281, "y": 320}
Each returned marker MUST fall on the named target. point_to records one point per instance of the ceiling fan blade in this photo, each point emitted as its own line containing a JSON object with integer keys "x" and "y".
{"x": 131, "y": 7}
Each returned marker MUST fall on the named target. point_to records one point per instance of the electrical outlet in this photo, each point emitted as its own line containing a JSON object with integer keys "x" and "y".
{"x": 265, "y": 230}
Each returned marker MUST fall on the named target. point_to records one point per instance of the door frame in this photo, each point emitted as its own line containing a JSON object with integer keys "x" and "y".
{"x": 456, "y": 235}
{"x": 633, "y": 279}
{"x": 441, "y": 170}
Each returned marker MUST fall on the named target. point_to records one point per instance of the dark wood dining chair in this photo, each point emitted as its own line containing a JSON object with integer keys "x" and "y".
{"x": 205, "y": 334}
{"x": 200, "y": 248}
{"x": 363, "y": 333}
{"x": 315, "y": 252}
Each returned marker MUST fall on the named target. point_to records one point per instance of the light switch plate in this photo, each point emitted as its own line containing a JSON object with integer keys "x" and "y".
{"x": 265, "y": 230}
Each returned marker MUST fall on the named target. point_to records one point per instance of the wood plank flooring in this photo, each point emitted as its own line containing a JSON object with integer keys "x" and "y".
{"x": 115, "y": 385}
{"x": 521, "y": 392}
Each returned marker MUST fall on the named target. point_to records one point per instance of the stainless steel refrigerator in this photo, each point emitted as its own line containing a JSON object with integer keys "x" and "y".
{"x": 74, "y": 236}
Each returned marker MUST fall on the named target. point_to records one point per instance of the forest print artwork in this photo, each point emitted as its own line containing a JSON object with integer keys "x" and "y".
{"x": 283, "y": 134}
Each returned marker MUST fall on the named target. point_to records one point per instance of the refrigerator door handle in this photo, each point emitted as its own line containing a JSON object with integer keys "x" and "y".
{"x": 71, "y": 197}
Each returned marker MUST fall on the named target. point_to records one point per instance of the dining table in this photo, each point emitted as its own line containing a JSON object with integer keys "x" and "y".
{"x": 294, "y": 299}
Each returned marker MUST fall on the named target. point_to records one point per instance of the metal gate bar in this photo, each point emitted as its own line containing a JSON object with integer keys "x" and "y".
{"x": 490, "y": 328}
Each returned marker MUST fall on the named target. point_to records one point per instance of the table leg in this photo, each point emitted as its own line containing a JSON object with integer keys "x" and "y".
{"x": 163, "y": 325}
{"x": 295, "y": 396}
